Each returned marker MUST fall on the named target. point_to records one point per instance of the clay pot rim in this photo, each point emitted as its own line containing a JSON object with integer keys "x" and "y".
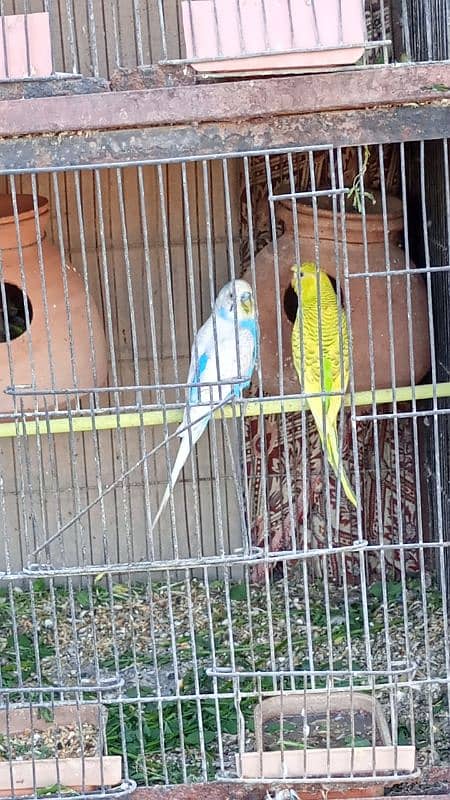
{"x": 28, "y": 212}
{"x": 394, "y": 217}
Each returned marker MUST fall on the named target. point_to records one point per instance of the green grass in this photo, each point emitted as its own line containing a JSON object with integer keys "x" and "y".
{"x": 148, "y": 717}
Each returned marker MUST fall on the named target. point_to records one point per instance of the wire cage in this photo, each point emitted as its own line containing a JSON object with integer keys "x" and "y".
{"x": 43, "y": 38}
{"x": 285, "y": 619}
{"x": 260, "y": 582}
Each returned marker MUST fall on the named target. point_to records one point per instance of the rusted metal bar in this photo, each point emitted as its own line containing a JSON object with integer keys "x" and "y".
{"x": 225, "y": 791}
{"x": 213, "y": 140}
{"x": 156, "y": 76}
{"x": 272, "y": 97}
{"x": 437, "y": 780}
{"x": 28, "y": 89}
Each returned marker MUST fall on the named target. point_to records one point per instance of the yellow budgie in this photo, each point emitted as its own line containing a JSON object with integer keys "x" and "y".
{"x": 333, "y": 377}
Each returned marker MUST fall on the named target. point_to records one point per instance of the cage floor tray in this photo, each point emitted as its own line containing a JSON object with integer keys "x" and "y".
{"x": 22, "y": 777}
{"x": 30, "y": 739}
{"x": 314, "y": 728}
{"x": 336, "y": 762}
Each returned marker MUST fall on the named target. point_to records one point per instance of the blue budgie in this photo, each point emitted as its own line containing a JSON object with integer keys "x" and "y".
{"x": 234, "y": 358}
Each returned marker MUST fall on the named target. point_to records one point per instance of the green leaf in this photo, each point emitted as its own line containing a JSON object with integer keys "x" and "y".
{"x": 83, "y": 598}
{"x": 120, "y": 590}
{"x": 46, "y": 714}
{"x": 403, "y": 735}
{"x": 55, "y": 789}
{"x": 209, "y": 735}
{"x": 46, "y": 650}
{"x": 229, "y": 724}
{"x": 393, "y": 590}
{"x": 238, "y": 592}
{"x": 288, "y": 745}
{"x": 193, "y": 738}
{"x": 39, "y": 586}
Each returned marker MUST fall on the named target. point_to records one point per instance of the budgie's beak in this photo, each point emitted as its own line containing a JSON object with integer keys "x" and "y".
{"x": 247, "y": 302}
{"x": 296, "y": 275}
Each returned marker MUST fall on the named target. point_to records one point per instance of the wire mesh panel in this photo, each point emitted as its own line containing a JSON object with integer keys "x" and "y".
{"x": 287, "y": 614}
{"x": 39, "y": 38}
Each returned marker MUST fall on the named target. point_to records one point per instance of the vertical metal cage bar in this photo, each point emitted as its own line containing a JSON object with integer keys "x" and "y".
{"x": 424, "y": 220}
{"x": 93, "y": 45}
{"x": 137, "y": 15}
{"x": 72, "y": 37}
{"x": 363, "y": 574}
{"x": 153, "y": 349}
{"x": 273, "y": 230}
{"x": 261, "y": 420}
{"x": 220, "y": 529}
{"x": 304, "y": 422}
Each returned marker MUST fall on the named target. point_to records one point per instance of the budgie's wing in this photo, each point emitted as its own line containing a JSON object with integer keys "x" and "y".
{"x": 214, "y": 355}
{"x": 200, "y": 351}
{"x": 327, "y": 379}
{"x": 335, "y": 374}
{"x": 326, "y": 370}
{"x": 325, "y": 349}
{"x": 224, "y": 354}
{"x": 241, "y": 354}
{"x": 336, "y": 366}
{"x": 201, "y": 370}
{"x": 233, "y": 358}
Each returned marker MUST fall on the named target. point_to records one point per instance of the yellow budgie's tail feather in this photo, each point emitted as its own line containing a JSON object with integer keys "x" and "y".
{"x": 333, "y": 458}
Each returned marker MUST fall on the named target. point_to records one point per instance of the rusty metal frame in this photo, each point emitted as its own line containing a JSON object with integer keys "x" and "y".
{"x": 379, "y": 105}
{"x": 103, "y": 148}
{"x": 227, "y": 791}
{"x": 218, "y": 791}
{"x": 437, "y": 777}
{"x": 229, "y": 101}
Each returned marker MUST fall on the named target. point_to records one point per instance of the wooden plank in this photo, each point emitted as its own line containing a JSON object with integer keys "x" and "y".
{"x": 21, "y": 776}
{"x": 337, "y": 762}
{"x": 387, "y": 85}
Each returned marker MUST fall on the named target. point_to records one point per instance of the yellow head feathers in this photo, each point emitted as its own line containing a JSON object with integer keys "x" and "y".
{"x": 307, "y": 273}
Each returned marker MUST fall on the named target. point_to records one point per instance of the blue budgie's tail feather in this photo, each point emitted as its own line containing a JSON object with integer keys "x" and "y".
{"x": 197, "y": 427}
{"x": 180, "y": 461}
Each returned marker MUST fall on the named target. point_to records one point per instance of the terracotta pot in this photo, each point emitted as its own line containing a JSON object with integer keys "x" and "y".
{"x": 241, "y": 29}
{"x": 379, "y": 305}
{"x": 29, "y": 350}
